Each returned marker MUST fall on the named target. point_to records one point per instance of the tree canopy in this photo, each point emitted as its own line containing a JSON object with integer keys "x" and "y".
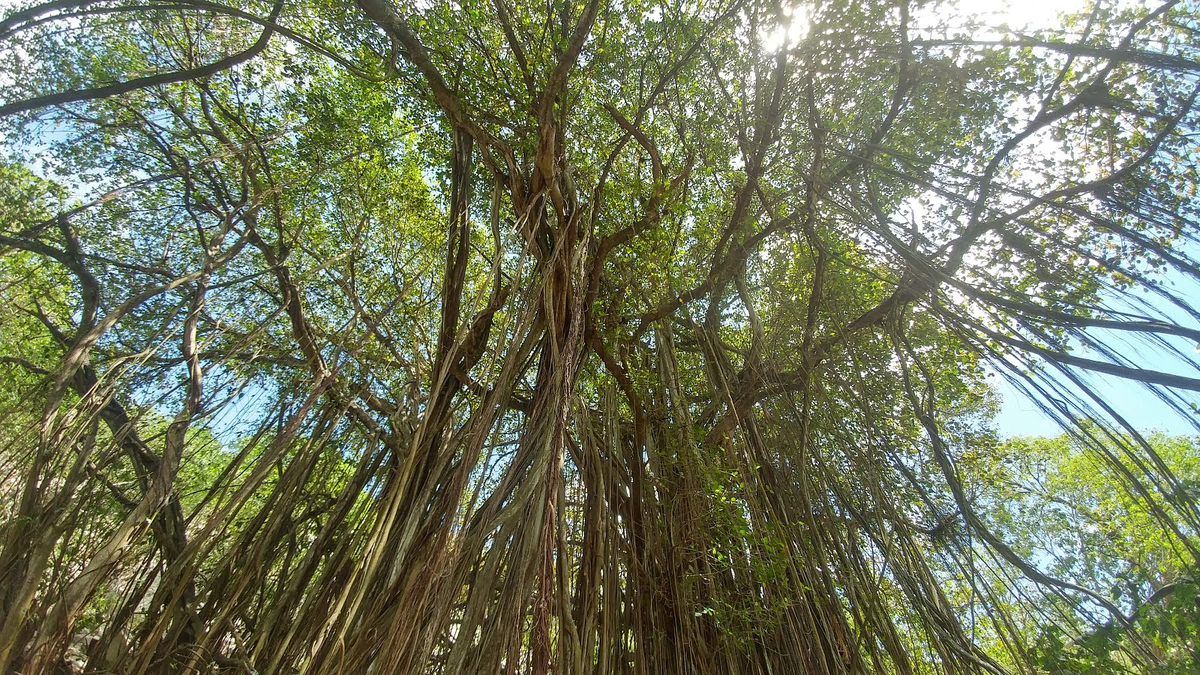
{"x": 595, "y": 336}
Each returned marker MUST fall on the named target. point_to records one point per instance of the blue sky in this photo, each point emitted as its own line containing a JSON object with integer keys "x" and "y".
{"x": 1020, "y": 416}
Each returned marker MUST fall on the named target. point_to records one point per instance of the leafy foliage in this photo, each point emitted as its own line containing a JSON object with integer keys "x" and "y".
{"x": 592, "y": 337}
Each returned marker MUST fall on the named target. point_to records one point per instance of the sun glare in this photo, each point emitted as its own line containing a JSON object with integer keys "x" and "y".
{"x": 793, "y": 25}
{"x": 791, "y": 29}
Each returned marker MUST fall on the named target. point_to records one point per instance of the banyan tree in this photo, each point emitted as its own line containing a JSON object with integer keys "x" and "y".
{"x": 585, "y": 336}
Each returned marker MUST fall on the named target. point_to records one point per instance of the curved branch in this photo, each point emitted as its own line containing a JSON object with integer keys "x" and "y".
{"x": 118, "y": 88}
{"x": 13, "y": 25}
